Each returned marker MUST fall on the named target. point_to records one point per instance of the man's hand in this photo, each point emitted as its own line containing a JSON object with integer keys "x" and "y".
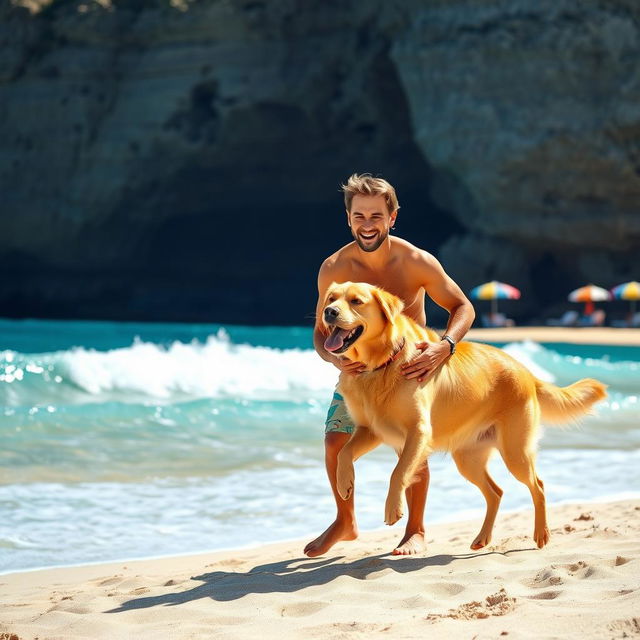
{"x": 350, "y": 367}
{"x": 432, "y": 356}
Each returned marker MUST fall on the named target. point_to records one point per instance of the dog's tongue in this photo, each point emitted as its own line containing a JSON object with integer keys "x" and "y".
{"x": 336, "y": 339}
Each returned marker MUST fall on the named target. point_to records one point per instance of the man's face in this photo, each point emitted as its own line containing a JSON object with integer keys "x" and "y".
{"x": 370, "y": 221}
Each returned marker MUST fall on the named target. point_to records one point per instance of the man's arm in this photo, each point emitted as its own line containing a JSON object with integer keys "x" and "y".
{"x": 326, "y": 277}
{"x": 447, "y": 294}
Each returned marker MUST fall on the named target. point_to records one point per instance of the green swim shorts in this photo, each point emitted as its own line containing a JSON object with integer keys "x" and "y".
{"x": 338, "y": 419}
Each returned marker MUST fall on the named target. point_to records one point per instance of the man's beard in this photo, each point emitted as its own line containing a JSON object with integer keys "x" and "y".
{"x": 371, "y": 247}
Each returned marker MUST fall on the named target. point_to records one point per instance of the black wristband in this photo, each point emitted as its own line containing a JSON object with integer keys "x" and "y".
{"x": 451, "y": 341}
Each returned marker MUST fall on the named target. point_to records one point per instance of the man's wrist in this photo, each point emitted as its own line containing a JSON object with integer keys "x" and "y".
{"x": 451, "y": 342}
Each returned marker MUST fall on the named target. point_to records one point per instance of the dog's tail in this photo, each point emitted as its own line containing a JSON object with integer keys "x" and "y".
{"x": 565, "y": 404}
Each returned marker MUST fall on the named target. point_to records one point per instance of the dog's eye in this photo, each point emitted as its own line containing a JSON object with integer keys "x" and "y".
{"x": 356, "y": 301}
{"x": 330, "y": 299}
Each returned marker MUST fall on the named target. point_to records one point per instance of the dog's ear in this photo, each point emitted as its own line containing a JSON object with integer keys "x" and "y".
{"x": 329, "y": 291}
{"x": 391, "y": 305}
{"x": 325, "y": 300}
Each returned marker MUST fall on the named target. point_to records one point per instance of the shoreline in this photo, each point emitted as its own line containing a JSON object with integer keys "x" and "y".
{"x": 583, "y": 584}
{"x": 606, "y": 336}
{"x": 301, "y": 540}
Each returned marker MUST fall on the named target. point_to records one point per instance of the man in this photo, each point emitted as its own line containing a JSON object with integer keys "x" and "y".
{"x": 408, "y": 272}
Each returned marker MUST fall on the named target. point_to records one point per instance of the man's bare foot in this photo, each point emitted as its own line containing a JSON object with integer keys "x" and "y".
{"x": 335, "y": 533}
{"x": 410, "y": 545}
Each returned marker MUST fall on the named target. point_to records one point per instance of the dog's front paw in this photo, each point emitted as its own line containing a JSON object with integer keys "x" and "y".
{"x": 345, "y": 479}
{"x": 393, "y": 509}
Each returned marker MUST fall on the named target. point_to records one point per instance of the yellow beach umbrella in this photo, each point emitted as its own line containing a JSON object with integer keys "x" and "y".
{"x": 627, "y": 291}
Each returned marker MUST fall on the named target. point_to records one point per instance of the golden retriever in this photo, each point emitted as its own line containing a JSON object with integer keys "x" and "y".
{"x": 478, "y": 400}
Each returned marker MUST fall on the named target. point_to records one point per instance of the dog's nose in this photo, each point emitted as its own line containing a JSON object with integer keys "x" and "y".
{"x": 331, "y": 314}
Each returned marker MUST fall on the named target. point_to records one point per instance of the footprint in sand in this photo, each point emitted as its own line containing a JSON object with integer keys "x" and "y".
{"x": 583, "y": 570}
{"x": 545, "y": 595}
{"x": 607, "y": 532}
{"x": 133, "y": 583}
{"x": 626, "y": 628}
{"x": 372, "y": 569}
{"x": 230, "y": 621}
{"x": 57, "y": 598}
{"x": 172, "y": 583}
{"x": 350, "y": 627}
{"x": 302, "y": 609}
{"x": 105, "y": 582}
{"x": 544, "y": 578}
{"x": 229, "y": 562}
{"x": 497, "y": 604}
{"x": 444, "y": 589}
{"x": 414, "y": 602}
{"x": 72, "y": 607}
{"x": 584, "y": 516}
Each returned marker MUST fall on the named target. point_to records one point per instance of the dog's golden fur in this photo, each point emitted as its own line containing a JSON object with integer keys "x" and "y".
{"x": 479, "y": 400}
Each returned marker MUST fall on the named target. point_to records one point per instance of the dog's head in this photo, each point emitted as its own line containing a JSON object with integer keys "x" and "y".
{"x": 355, "y": 312}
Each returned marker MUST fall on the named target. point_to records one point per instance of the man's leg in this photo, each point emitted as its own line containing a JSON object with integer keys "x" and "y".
{"x": 344, "y": 526}
{"x": 414, "y": 541}
{"x": 338, "y": 431}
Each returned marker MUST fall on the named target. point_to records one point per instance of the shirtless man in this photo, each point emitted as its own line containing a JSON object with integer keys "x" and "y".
{"x": 408, "y": 272}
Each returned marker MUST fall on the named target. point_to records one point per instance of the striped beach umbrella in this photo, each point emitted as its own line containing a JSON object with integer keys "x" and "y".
{"x": 589, "y": 294}
{"x": 627, "y": 291}
{"x": 494, "y": 291}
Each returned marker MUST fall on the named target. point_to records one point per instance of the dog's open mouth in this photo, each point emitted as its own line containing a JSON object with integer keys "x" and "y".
{"x": 340, "y": 340}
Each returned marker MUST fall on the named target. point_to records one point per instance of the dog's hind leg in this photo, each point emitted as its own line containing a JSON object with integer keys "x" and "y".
{"x": 362, "y": 441}
{"x": 472, "y": 464}
{"x": 518, "y": 451}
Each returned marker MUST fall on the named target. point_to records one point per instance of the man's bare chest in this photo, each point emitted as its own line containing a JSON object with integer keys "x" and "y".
{"x": 394, "y": 281}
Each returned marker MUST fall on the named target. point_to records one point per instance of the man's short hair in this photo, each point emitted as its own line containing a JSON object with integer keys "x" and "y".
{"x": 366, "y": 185}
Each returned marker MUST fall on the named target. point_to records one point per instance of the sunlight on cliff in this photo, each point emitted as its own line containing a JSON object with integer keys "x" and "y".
{"x": 35, "y": 6}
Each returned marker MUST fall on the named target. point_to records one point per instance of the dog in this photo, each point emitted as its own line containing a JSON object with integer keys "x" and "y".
{"x": 480, "y": 399}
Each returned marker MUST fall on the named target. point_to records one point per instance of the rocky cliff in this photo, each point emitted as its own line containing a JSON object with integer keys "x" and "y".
{"x": 181, "y": 160}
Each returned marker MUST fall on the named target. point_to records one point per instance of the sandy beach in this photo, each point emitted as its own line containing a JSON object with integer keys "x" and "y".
{"x": 572, "y": 335}
{"x": 584, "y": 584}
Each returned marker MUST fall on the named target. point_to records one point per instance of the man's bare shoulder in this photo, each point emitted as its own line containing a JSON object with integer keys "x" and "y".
{"x": 411, "y": 255}
{"x": 339, "y": 261}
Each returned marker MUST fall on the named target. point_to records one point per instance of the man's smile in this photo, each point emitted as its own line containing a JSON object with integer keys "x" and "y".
{"x": 369, "y": 239}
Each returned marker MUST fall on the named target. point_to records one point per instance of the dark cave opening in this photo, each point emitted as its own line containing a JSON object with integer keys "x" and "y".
{"x": 231, "y": 207}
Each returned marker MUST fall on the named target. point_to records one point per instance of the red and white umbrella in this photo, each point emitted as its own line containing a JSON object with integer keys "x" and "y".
{"x": 589, "y": 294}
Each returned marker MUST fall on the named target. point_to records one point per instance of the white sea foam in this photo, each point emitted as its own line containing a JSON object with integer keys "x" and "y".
{"x": 525, "y": 353}
{"x": 562, "y": 369}
{"x": 219, "y": 368}
{"x": 215, "y": 368}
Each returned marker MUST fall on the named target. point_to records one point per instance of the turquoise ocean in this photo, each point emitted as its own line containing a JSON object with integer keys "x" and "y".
{"x": 123, "y": 440}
